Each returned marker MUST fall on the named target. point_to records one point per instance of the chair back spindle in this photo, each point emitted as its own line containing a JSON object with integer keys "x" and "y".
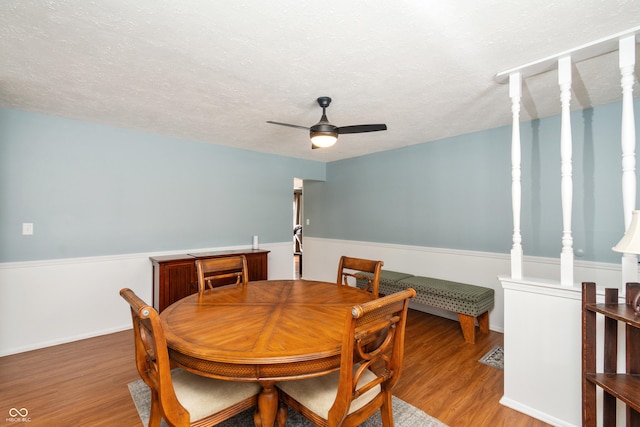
{"x": 215, "y": 272}
{"x": 372, "y": 354}
{"x": 178, "y": 396}
{"x": 349, "y": 267}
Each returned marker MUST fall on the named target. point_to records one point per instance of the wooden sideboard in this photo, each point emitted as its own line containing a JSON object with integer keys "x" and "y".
{"x": 175, "y": 277}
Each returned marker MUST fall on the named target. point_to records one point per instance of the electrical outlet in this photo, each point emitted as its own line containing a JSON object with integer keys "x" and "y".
{"x": 27, "y": 228}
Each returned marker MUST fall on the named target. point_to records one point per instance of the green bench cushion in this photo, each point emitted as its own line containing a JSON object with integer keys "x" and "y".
{"x": 388, "y": 280}
{"x": 471, "y": 300}
{"x": 458, "y": 297}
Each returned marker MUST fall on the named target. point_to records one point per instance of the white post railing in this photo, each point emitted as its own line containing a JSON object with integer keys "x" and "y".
{"x": 566, "y": 180}
{"x": 625, "y": 43}
{"x": 515, "y": 92}
{"x": 627, "y": 52}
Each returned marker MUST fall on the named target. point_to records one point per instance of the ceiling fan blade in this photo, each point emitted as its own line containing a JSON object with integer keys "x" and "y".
{"x": 288, "y": 125}
{"x": 361, "y": 128}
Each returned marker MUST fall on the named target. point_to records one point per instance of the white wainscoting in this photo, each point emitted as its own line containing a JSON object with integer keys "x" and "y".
{"x": 542, "y": 343}
{"x": 321, "y": 258}
{"x": 543, "y": 347}
{"x": 44, "y": 303}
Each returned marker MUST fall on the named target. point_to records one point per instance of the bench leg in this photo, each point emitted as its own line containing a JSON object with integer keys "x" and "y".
{"x": 483, "y": 322}
{"x": 468, "y": 325}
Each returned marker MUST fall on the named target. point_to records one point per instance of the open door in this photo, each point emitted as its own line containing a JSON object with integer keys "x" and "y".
{"x": 297, "y": 227}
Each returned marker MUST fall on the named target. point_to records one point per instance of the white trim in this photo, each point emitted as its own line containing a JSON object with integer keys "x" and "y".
{"x": 509, "y": 403}
{"x": 125, "y": 257}
{"x": 541, "y": 287}
{"x": 580, "y": 53}
{"x": 415, "y": 248}
{"x": 480, "y": 254}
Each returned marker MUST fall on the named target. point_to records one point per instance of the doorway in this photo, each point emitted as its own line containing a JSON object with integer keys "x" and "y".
{"x": 297, "y": 227}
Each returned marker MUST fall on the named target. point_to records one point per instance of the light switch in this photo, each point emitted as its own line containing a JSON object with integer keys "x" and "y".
{"x": 308, "y": 221}
{"x": 27, "y": 228}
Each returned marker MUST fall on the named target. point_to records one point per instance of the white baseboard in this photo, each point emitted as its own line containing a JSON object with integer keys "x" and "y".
{"x": 534, "y": 413}
{"x": 65, "y": 340}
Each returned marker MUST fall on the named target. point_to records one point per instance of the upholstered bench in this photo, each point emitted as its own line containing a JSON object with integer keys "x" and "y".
{"x": 468, "y": 301}
{"x": 388, "y": 281}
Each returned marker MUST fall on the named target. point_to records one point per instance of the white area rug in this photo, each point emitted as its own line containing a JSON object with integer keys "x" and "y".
{"x": 404, "y": 415}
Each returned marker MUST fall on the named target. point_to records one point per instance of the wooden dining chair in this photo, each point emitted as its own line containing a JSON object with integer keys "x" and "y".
{"x": 349, "y": 267}
{"x": 214, "y": 272}
{"x": 178, "y": 396}
{"x": 367, "y": 372}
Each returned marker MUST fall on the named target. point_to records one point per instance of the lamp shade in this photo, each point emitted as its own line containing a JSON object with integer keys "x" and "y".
{"x": 630, "y": 242}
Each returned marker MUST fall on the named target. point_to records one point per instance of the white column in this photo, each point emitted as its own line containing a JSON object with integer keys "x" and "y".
{"x": 566, "y": 257}
{"x": 627, "y": 63}
{"x": 515, "y": 93}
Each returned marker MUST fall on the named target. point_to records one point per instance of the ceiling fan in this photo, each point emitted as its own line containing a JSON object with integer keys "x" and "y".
{"x": 324, "y": 134}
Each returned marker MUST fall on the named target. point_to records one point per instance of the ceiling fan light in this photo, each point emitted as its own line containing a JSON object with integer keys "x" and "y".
{"x": 323, "y": 140}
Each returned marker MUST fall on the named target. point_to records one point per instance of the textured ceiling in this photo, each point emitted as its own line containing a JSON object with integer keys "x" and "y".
{"x": 216, "y": 71}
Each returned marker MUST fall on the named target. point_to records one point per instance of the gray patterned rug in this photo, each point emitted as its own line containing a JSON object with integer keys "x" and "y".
{"x": 494, "y": 358}
{"x": 404, "y": 415}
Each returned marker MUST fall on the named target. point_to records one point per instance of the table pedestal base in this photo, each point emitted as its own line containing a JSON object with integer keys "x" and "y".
{"x": 265, "y": 416}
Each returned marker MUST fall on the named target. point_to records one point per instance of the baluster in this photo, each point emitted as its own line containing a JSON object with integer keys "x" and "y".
{"x": 515, "y": 92}
{"x": 627, "y": 51}
{"x": 566, "y": 257}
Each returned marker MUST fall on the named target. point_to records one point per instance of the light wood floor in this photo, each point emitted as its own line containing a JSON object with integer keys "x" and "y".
{"x": 84, "y": 383}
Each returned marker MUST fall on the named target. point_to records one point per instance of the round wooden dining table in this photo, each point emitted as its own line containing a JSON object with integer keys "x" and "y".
{"x": 266, "y": 331}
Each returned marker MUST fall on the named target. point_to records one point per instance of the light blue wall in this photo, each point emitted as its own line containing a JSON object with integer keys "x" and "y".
{"x": 95, "y": 190}
{"x": 456, "y": 192}
{"x": 598, "y": 219}
{"x": 98, "y": 190}
{"x": 439, "y": 194}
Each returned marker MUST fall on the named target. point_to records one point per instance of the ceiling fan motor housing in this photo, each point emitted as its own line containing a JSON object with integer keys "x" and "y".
{"x": 324, "y": 101}
{"x": 323, "y": 127}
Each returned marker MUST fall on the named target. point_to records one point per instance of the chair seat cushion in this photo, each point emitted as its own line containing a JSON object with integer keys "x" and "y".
{"x": 203, "y": 396}
{"x": 318, "y": 394}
